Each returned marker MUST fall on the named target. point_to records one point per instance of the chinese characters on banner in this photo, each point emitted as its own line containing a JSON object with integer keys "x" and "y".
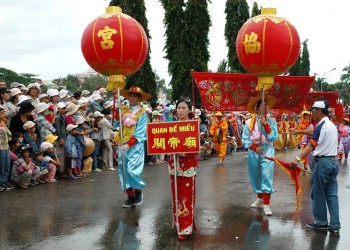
{"x": 173, "y": 137}
{"x": 232, "y": 92}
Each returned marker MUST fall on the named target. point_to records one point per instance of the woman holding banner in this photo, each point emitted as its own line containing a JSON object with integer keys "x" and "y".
{"x": 184, "y": 187}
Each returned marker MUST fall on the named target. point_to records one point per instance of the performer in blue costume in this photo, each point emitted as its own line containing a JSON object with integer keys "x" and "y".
{"x": 261, "y": 176}
{"x": 134, "y": 127}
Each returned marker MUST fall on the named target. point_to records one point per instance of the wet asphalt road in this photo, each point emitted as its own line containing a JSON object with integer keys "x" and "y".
{"x": 88, "y": 213}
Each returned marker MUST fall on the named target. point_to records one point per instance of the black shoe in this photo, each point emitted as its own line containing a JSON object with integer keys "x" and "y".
{"x": 129, "y": 202}
{"x": 333, "y": 231}
{"x": 138, "y": 198}
{"x": 317, "y": 226}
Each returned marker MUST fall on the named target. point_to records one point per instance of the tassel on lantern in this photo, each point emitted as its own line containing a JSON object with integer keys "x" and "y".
{"x": 264, "y": 83}
{"x": 115, "y": 82}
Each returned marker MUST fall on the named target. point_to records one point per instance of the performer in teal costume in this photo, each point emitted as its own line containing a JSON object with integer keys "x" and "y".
{"x": 131, "y": 152}
{"x": 261, "y": 177}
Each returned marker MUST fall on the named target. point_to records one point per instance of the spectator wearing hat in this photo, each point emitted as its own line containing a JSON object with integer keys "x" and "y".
{"x": 85, "y": 93}
{"x": 44, "y": 127}
{"x": 84, "y": 105}
{"x": 219, "y": 132}
{"x": 24, "y": 114}
{"x": 134, "y": 124}
{"x": 71, "y": 150}
{"x": 22, "y": 170}
{"x": 38, "y": 160}
{"x": 103, "y": 93}
{"x": 81, "y": 144}
{"x": 50, "y": 157}
{"x": 61, "y": 133}
{"x": 324, "y": 184}
{"x": 71, "y": 110}
{"x": 15, "y": 94}
{"x": 5, "y": 95}
{"x": 44, "y": 98}
{"x": 63, "y": 95}
{"x": 30, "y": 136}
{"x": 33, "y": 94}
{"x": 5, "y": 134}
{"x": 95, "y": 103}
{"x": 344, "y": 140}
{"x": 258, "y": 136}
{"x": 105, "y": 142}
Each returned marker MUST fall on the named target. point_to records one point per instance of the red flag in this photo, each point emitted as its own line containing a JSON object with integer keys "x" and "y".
{"x": 330, "y": 97}
{"x": 232, "y": 92}
{"x": 292, "y": 172}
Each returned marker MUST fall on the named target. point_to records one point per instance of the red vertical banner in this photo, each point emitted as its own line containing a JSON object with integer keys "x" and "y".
{"x": 173, "y": 137}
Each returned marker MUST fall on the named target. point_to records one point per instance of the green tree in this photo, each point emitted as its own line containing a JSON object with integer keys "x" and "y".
{"x": 91, "y": 83}
{"x": 345, "y": 76}
{"x": 296, "y": 68}
{"x": 223, "y": 66}
{"x": 256, "y": 11}
{"x": 237, "y": 13}
{"x": 10, "y": 76}
{"x": 145, "y": 77}
{"x": 305, "y": 60}
{"x": 71, "y": 82}
{"x": 187, "y": 28}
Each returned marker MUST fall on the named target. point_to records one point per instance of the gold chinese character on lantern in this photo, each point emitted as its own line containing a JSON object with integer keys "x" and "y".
{"x": 251, "y": 44}
{"x": 173, "y": 142}
{"x": 106, "y": 34}
{"x": 159, "y": 143}
{"x": 190, "y": 142}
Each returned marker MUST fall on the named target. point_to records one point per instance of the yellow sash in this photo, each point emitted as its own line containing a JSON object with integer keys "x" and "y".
{"x": 128, "y": 131}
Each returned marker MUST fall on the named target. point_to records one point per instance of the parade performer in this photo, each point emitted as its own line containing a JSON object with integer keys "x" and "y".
{"x": 218, "y": 130}
{"x": 344, "y": 140}
{"x": 303, "y": 125}
{"x": 285, "y": 132}
{"x": 186, "y": 170}
{"x": 324, "y": 185}
{"x": 131, "y": 149}
{"x": 292, "y": 137}
{"x": 260, "y": 169}
{"x": 278, "y": 144}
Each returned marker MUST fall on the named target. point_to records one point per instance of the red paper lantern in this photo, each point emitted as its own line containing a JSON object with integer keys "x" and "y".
{"x": 115, "y": 45}
{"x": 267, "y": 46}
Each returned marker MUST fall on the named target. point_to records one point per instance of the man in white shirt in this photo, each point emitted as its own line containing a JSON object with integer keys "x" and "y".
{"x": 324, "y": 185}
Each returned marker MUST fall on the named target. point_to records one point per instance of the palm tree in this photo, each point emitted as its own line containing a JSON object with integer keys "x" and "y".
{"x": 345, "y": 77}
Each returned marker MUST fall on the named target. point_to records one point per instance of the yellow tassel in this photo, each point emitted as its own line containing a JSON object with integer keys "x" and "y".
{"x": 264, "y": 83}
{"x": 115, "y": 81}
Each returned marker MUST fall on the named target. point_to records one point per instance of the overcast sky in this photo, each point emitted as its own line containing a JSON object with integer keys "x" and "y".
{"x": 43, "y": 37}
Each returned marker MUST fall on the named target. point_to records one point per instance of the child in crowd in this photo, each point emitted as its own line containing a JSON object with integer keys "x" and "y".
{"x": 5, "y": 134}
{"x": 44, "y": 127}
{"x": 61, "y": 133}
{"x": 22, "y": 169}
{"x": 71, "y": 150}
{"x": 231, "y": 145}
{"x": 50, "y": 156}
{"x": 79, "y": 121}
{"x": 30, "y": 136}
{"x": 38, "y": 160}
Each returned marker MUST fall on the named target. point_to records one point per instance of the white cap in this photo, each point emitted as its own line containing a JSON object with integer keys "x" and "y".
{"x": 95, "y": 97}
{"x": 45, "y": 146}
{"x": 319, "y": 105}
{"x": 102, "y": 90}
{"x": 28, "y": 124}
{"x": 79, "y": 120}
{"x": 98, "y": 114}
{"x": 70, "y": 127}
{"x": 61, "y": 105}
{"x": 85, "y": 92}
{"x": 52, "y": 92}
{"x": 83, "y": 100}
{"x": 15, "y": 91}
{"x": 63, "y": 93}
{"x": 42, "y": 106}
{"x": 22, "y": 98}
{"x": 107, "y": 104}
{"x": 42, "y": 96}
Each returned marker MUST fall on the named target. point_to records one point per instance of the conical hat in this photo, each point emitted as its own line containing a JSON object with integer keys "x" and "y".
{"x": 271, "y": 101}
{"x": 144, "y": 96}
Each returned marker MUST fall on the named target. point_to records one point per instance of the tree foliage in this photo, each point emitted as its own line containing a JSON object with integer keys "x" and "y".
{"x": 187, "y": 28}
{"x": 223, "y": 66}
{"x": 145, "y": 77}
{"x": 10, "y": 76}
{"x": 237, "y": 13}
{"x": 345, "y": 76}
{"x": 256, "y": 11}
{"x": 302, "y": 65}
